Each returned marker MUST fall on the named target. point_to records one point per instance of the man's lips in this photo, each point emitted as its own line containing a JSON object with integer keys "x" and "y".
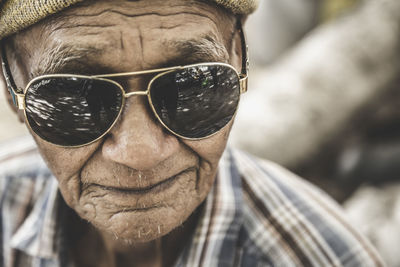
{"x": 154, "y": 188}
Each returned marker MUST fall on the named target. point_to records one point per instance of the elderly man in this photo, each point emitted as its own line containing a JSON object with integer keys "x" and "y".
{"x": 130, "y": 104}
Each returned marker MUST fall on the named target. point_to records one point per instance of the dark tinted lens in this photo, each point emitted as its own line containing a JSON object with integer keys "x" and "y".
{"x": 197, "y": 101}
{"x": 72, "y": 111}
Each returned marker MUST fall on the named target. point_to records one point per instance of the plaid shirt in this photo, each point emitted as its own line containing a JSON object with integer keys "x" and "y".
{"x": 257, "y": 214}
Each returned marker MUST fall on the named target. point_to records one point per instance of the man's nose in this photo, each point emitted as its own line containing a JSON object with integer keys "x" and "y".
{"x": 138, "y": 140}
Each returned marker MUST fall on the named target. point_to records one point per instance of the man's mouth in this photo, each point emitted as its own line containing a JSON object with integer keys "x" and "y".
{"x": 154, "y": 188}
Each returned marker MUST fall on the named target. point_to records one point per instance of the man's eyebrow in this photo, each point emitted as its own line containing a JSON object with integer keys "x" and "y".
{"x": 204, "y": 49}
{"x": 61, "y": 58}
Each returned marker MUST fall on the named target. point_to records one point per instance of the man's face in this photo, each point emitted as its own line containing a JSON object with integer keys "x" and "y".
{"x": 138, "y": 182}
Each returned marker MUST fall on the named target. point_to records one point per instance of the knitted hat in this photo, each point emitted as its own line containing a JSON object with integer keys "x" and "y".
{"x": 16, "y": 15}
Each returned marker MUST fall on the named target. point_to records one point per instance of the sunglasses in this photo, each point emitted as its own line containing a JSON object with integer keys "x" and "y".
{"x": 192, "y": 102}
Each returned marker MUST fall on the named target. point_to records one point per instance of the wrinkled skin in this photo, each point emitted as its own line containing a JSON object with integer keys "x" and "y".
{"x": 99, "y": 181}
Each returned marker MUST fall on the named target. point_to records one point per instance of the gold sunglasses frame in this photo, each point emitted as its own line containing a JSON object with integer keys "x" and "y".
{"x": 161, "y": 72}
{"x": 20, "y": 100}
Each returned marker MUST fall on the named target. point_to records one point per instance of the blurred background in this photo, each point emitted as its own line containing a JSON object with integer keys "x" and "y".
{"x": 323, "y": 102}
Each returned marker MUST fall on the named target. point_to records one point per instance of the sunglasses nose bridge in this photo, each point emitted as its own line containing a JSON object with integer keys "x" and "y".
{"x": 136, "y": 93}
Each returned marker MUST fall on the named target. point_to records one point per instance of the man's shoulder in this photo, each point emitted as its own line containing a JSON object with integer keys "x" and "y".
{"x": 27, "y": 194}
{"x": 21, "y": 167}
{"x": 289, "y": 221}
{"x": 19, "y": 154}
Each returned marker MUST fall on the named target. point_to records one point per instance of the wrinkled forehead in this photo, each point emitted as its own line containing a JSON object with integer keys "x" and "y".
{"x": 16, "y": 15}
{"x": 155, "y": 33}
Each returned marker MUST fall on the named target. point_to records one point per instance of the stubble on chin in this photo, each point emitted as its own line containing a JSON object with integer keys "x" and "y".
{"x": 133, "y": 221}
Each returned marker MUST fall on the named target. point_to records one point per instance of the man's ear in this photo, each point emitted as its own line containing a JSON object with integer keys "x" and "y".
{"x": 4, "y": 90}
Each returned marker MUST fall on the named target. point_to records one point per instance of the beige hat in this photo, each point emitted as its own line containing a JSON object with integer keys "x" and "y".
{"x": 16, "y": 15}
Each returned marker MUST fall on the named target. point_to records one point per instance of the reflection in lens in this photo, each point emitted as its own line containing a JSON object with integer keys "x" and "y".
{"x": 197, "y": 101}
{"x": 72, "y": 111}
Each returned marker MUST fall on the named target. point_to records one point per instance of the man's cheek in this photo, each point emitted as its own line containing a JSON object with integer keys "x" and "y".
{"x": 66, "y": 165}
{"x": 210, "y": 149}
{"x": 65, "y": 162}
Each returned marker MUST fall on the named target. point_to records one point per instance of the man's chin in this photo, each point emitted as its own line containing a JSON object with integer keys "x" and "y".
{"x": 139, "y": 226}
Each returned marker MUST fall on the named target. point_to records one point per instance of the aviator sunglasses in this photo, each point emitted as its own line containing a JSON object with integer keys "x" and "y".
{"x": 192, "y": 102}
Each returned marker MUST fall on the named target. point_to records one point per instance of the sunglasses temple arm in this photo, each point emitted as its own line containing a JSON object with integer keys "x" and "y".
{"x": 245, "y": 59}
{"x": 17, "y": 98}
